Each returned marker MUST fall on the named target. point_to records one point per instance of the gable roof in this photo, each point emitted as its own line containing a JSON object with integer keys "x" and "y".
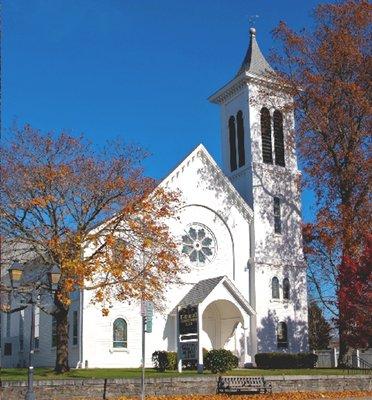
{"x": 201, "y": 290}
{"x": 202, "y": 153}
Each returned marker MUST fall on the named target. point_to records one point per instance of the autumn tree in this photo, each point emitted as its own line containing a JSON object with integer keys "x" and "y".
{"x": 319, "y": 328}
{"x": 327, "y": 73}
{"x": 93, "y": 213}
{"x": 356, "y": 297}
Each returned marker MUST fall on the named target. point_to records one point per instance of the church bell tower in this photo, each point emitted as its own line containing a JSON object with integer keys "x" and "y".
{"x": 258, "y": 156}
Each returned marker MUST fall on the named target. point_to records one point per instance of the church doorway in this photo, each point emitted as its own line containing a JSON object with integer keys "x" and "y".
{"x": 223, "y": 328}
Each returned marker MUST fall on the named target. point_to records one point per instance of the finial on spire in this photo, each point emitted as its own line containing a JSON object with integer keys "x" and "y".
{"x": 252, "y": 21}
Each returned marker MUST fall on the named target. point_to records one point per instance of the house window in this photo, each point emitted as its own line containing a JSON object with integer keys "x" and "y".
{"x": 240, "y": 129}
{"x": 37, "y": 328}
{"x": 282, "y": 335}
{"x": 54, "y": 331}
{"x": 277, "y": 218}
{"x": 232, "y": 140}
{"x": 267, "y": 155}
{"x": 275, "y": 288}
{"x": 74, "y": 328}
{"x": 286, "y": 289}
{"x": 278, "y": 138}
{"x": 21, "y": 330}
{"x": 120, "y": 333}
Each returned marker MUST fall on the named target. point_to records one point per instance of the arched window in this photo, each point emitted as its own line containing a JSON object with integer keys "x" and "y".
{"x": 240, "y": 128}
{"x": 267, "y": 155}
{"x": 232, "y": 140}
{"x": 277, "y": 216}
{"x": 278, "y": 138}
{"x": 120, "y": 333}
{"x": 282, "y": 335}
{"x": 286, "y": 289}
{"x": 275, "y": 288}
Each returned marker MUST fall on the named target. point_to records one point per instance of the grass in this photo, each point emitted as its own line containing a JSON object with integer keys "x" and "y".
{"x": 16, "y": 374}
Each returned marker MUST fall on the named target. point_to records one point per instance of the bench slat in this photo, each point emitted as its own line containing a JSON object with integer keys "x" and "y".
{"x": 233, "y": 384}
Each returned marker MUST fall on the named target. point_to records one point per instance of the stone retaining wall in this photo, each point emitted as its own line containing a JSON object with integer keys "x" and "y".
{"x": 111, "y": 388}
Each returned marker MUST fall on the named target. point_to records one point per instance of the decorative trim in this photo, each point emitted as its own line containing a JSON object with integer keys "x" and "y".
{"x": 201, "y": 153}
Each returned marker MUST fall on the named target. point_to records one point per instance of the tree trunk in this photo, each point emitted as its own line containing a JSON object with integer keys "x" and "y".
{"x": 343, "y": 343}
{"x": 62, "y": 341}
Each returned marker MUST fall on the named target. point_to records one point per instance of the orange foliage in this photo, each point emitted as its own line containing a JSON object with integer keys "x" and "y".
{"x": 275, "y": 396}
{"x": 327, "y": 72}
{"x": 93, "y": 213}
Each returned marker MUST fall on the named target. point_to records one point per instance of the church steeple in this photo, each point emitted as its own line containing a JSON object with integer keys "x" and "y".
{"x": 254, "y": 62}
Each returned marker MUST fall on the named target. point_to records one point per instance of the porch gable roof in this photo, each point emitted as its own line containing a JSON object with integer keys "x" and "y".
{"x": 201, "y": 290}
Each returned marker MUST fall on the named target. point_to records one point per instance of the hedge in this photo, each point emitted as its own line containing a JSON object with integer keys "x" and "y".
{"x": 220, "y": 361}
{"x": 285, "y": 360}
{"x": 164, "y": 360}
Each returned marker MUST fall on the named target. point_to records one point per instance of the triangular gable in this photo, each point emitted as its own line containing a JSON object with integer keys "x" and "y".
{"x": 201, "y": 291}
{"x": 216, "y": 173}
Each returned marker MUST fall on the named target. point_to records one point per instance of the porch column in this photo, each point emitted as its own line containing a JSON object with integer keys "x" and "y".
{"x": 200, "y": 346}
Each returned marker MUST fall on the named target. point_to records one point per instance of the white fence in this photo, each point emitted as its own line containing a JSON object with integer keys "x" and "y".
{"x": 329, "y": 358}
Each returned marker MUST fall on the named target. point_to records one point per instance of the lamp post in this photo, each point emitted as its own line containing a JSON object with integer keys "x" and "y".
{"x": 16, "y": 273}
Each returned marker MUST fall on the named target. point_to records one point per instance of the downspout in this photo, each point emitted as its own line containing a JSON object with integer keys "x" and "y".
{"x": 81, "y": 307}
{"x": 252, "y": 290}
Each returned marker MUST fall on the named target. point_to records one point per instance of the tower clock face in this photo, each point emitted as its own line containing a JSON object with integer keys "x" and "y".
{"x": 199, "y": 244}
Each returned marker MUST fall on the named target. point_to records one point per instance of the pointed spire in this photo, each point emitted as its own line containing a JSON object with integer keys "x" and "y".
{"x": 254, "y": 62}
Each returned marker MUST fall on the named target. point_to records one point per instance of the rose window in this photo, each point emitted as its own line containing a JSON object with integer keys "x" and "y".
{"x": 199, "y": 244}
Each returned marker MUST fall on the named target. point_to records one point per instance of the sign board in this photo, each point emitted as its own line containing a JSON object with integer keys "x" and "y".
{"x": 188, "y": 350}
{"x": 188, "y": 320}
{"x": 147, "y": 309}
{"x": 148, "y": 326}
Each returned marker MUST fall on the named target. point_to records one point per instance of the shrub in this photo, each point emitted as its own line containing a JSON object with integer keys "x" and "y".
{"x": 172, "y": 360}
{"x": 220, "y": 361}
{"x": 286, "y": 360}
{"x": 164, "y": 360}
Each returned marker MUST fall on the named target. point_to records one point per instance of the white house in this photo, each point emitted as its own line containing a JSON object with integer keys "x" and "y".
{"x": 240, "y": 227}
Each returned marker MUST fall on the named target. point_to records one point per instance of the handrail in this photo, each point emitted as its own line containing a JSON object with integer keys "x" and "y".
{"x": 363, "y": 366}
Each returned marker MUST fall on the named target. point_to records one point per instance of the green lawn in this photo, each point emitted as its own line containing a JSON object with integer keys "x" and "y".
{"x": 47, "y": 373}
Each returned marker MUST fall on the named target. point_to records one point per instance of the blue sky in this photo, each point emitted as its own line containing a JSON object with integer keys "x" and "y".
{"x": 137, "y": 69}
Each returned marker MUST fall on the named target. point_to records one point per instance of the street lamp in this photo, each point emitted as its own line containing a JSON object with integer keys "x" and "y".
{"x": 15, "y": 273}
{"x": 54, "y": 276}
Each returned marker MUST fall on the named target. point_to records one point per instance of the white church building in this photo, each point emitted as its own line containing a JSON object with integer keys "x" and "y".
{"x": 240, "y": 227}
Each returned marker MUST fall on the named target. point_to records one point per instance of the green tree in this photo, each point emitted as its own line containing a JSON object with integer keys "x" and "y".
{"x": 319, "y": 328}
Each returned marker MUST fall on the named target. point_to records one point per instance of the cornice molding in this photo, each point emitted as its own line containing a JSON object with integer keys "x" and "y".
{"x": 217, "y": 176}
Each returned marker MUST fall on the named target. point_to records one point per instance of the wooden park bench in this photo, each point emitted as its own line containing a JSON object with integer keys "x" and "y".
{"x": 243, "y": 384}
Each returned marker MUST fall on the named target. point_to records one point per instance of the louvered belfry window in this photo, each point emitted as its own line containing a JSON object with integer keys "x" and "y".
{"x": 278, "y": 138}
{"x": 240, "y": 128}
{"x": 267, "y": 155}
{"x": 232, "y": 140}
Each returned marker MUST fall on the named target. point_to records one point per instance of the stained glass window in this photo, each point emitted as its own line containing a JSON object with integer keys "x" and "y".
{"x": 120, "y": 333}
{"x": 198, "y": 244}
{"x": 282, "y": 335}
